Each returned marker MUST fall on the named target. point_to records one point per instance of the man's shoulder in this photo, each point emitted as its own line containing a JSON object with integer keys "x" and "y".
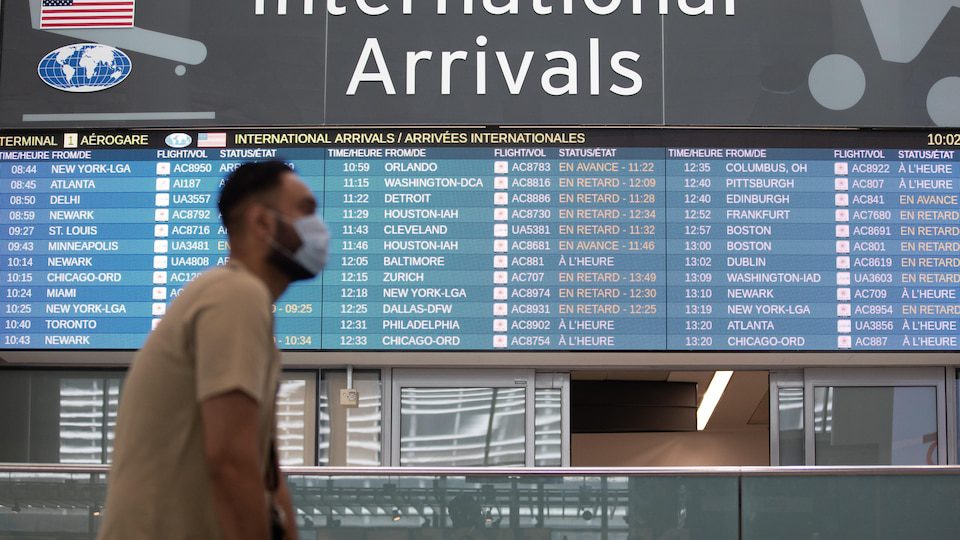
{"x": 228, "y": 283}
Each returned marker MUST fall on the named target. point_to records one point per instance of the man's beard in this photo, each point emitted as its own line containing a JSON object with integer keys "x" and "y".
{"x": 285, "y": 261}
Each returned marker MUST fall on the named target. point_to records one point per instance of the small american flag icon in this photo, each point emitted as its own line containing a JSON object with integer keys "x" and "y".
{"x": 86, "y": 14}
{"x": 212, "y": 140}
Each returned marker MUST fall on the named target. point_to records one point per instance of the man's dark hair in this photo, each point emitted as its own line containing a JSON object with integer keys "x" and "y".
{"x": 248, "y": 181}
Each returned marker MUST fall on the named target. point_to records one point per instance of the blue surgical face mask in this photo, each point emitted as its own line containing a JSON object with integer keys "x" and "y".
{"x": 311, "y": 256}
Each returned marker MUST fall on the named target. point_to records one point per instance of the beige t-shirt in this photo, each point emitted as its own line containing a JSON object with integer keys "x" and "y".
{"x": 216, "y": 337}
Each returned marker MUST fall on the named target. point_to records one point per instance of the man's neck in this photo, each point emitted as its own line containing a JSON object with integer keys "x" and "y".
{"x": 273, "y": 278}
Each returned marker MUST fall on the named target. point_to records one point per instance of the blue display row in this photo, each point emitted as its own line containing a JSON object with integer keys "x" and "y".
{"x": 473, "y": 342}
{"x": 376, "y": 240}
{"x": 342, "y": 189}
{"x": 487, "y": 161}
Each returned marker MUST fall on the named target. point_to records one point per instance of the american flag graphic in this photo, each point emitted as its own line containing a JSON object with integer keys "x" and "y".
{"x": 212, "y": 140}
{"x": 87, "y": 14}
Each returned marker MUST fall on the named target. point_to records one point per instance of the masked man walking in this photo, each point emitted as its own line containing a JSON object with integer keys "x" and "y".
{"x": 194, "y": 452}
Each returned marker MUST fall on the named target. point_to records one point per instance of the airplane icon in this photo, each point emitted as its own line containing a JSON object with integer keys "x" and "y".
{"x": 141, "y": 40}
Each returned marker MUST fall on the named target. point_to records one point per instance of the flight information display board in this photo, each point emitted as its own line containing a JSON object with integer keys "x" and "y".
{"x": 642, "y": 240}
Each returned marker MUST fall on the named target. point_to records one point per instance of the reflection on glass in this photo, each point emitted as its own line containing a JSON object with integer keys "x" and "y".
{"x": 68, "y": 506}
{"x": 549, "y": 427}
{"x": 292, "y": 422}
{"x": 790, "y": 415}
{"x": 87, "y": 419}
{"x": 875, "y": 425}
{"x": 349, "y": 436}
{"x": 459, "y": 427}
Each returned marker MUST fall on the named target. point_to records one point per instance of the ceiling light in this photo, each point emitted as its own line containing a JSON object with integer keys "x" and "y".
{"x": 712, "y": 397}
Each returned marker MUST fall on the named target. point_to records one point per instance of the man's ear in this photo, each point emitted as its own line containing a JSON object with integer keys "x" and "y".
{"x": 260, "y": 220}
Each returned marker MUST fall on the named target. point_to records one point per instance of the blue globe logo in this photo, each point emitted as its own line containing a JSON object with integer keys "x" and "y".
{"x": 84, "y": 67}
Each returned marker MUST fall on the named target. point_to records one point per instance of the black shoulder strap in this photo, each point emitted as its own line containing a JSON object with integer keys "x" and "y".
{"x": 272, "y": 479}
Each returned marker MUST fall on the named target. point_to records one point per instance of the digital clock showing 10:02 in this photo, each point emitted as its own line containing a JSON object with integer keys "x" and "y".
{"x": 815, "y": 243}
{"x": 943, "y": 139}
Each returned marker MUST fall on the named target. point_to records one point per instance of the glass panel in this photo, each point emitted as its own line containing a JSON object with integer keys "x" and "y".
{"x": 461, "y": 427}
{"x": 875, "y": 425}
{"x": 537, "y": 507}
{"x": 113, "y": 405}
{"x": 851, "y": 507}
{"x": 82, "y": 420}
{"x": 350, "y": 436}
{"x": 790, "y": 418}
{"x": 68, "y": 506}
{"x": 548, "y": 436}
{"x": 294, "y": 420}
{"x": 529, "y": 507}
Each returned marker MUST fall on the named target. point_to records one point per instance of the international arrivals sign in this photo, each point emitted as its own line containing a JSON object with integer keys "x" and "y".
{"x": 479, "y": 62}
